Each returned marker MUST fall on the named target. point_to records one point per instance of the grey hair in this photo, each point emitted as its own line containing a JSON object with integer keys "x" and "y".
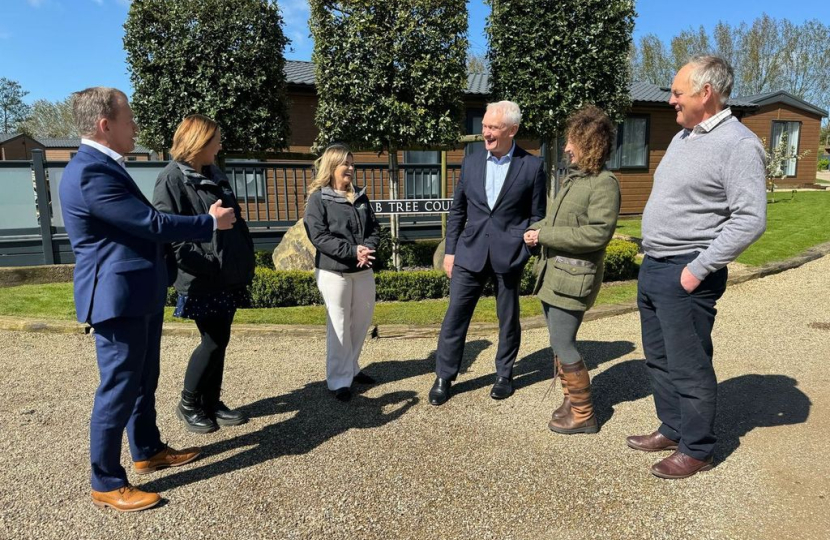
{"x": 92, "y": 104}
{"x": 713, "y": 70}
{"x": 509, "y": 110}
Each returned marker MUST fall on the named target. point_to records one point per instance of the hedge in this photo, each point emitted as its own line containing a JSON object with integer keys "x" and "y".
{"x": 281, "y": 288}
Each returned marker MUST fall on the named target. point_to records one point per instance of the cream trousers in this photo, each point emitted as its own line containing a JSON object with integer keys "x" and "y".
{"x": 350, "y": 304}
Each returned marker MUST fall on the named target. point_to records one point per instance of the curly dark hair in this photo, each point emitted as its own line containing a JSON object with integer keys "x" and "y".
{"x": 593, "y": 133}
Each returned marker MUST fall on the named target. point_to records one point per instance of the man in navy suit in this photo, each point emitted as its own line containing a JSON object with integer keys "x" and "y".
{"x": 121, "y": 278}
{"x": 499, "y": 194}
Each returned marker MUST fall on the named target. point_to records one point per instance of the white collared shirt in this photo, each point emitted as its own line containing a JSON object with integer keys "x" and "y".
{"x": 106, "y": 150}
{"x": 709, "y": 124}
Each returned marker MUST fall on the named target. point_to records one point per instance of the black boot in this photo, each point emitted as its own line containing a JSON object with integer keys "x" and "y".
{"x": 218, "y": 410}
{"x": 191, "y": 412}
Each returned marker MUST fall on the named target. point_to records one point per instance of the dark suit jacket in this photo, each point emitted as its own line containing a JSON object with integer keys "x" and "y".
{"x": 475, "y": 232}
{"x": 118, "y": 237}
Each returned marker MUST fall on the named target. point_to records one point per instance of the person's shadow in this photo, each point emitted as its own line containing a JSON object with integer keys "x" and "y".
{"x": 751, "y": 401}
{"x": 538, "y": 366}
{"x": 745, "y": 402}
{"x": 318, "y": 417}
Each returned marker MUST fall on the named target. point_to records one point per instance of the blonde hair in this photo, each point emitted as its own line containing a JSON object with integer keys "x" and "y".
{"x": 192, "y": 136}
{"x": 324, "y": 167}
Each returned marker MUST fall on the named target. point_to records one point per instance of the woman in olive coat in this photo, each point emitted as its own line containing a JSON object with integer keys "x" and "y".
{"x": 572, "y": 238}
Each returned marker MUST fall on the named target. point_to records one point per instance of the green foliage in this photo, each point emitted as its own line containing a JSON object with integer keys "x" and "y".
{"x": 620, "y": 257}
{"x": 13, "y": 110}
{"x": 418, "y": 253}
{"x": 552, "y": 58}
{"x": 412, "y": 285}
{"x": 277, "y": 288}
{"x": 389, "y": 74}
{"x": 264, "y": 258}
{"x": 823, "y": 164}
{"x": 213, "y": 57}
{"x": 50, "y": 119}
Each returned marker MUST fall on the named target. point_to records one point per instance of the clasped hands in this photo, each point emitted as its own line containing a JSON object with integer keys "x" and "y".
{"x": 364, "y": 257}
{"x": 531, "y": 238}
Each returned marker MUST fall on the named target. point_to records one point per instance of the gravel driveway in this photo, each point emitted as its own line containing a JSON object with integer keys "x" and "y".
{"x": 389, "y": 465}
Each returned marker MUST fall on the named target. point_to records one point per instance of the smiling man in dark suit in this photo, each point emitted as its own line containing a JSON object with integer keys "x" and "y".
{"x": 121, "y": 281}
{"x": 500, "y": 192}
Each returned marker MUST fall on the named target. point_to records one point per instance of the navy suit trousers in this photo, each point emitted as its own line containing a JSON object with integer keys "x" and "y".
{"x": 465, "y": 290}
{"x": 677, "y": 339}
{"x": 128, "y": 364}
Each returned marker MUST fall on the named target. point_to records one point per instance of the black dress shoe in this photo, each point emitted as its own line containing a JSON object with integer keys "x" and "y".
{"x": 227, "y": 417}
{"x": 343, "y": 394}
{"x": 502, "y": 389}
{"x": 440, "y": 392}
{"x": 362, "y": 378}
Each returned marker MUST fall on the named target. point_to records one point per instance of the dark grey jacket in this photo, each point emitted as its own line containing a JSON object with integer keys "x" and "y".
{"x": 336, "y": 227}
{"x": 227, "y": 261}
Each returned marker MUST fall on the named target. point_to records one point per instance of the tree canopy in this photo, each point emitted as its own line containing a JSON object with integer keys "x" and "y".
{"x": 13, "y": 110}
{"x": 554, "y": 56}
{"x": 50, "y": 119}
{"x": 213, "y": 57}
{"x": 389, "y": 75}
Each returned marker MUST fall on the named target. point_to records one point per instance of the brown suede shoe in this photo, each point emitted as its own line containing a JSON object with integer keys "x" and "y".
{"x": 125, "y": 499}
{"x": 168, "y": 457}
{"x": 679, "y": 465}
{"x": 655, "y": 442}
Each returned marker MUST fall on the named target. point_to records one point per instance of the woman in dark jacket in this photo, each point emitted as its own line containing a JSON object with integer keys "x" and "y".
{"x": 212, "y": 276}
{"x": 340, "y": 223}
{"x": 579, "y": 224}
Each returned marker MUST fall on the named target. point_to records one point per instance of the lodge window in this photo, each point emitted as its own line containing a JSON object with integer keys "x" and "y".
{"x": 474, "y": 119}
{"x": 422, "y": 175}
{"x": 72, "y": 154}
{"x": 790, "y": 131}
{"x": 132, "y": 158}
{"x": 631, "y": 148}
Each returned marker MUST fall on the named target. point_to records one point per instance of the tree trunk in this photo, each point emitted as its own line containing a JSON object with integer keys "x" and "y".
{"x": 394, "y": 224}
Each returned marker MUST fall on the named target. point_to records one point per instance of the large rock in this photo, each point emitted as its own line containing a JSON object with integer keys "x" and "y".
{"x": 295, "y": 251}
{"x": 438, "y": 258}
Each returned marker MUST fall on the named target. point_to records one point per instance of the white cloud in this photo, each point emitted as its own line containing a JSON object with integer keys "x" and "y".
{"x": 36, "y": 3}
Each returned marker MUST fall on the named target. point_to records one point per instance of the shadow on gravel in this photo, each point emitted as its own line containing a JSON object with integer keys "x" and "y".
{"x": 627, "y": 381}
{"x": 754, "y": 401}
{"x": 318, "y": 417}
{"x": 538, "y": 367}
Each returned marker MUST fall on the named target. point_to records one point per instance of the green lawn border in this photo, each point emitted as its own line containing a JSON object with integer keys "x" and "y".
{"x": 400, "y": 331}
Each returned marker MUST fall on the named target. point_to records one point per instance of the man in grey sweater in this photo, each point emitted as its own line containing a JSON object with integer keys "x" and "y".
{"x": 708, "y": 204}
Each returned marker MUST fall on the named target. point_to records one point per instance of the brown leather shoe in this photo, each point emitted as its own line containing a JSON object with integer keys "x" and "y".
{"x": 168, "y": 457}
{"x": 654, "y": 442}
{"x": 125, "y": 499}
{"x": 679, "y": 465}
{"x": 580, "y": 418}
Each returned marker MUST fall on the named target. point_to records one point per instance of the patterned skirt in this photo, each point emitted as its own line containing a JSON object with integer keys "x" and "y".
{"x": 220, "y": 304}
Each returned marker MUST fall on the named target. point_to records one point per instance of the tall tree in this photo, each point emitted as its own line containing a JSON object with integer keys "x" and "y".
{"x": 389, "y": 75}
{"x": 214, "y": 57}
{"x": 652, "y": 62}
{"x": 760, "y": 62}
{"x": 12, "y": 108}
{"x": 687, "y": 44}
{"x": 553, "y": 57}
{"x": 50, "y": 119}
{"x": 477, "y": 63}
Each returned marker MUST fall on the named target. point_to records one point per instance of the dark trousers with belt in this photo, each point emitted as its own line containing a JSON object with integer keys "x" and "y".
{"x": 128, "y": 363}
{"x": 677, "y": 339}
{"x": 465, "y": 290}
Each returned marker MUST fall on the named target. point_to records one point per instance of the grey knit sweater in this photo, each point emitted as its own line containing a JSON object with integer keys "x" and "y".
{"x": 709, "y": 195}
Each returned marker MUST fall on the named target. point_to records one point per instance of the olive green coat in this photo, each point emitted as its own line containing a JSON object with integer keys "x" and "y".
{"x": 578, "y": 226}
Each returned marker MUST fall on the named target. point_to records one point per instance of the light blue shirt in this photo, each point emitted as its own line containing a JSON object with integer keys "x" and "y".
{"x": 496, "y": 173}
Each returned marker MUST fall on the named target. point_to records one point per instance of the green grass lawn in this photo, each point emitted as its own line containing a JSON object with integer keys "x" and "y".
{"x": 793, "y": 225}
{"x": 54, "y": 302}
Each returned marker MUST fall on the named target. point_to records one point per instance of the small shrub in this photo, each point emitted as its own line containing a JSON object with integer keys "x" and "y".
{"x": 411, "y": 285}
{"x": 281, "y": 288}
{"x": 823, "y": 164}
{"x": 264, "y": 258}
{"x": 620, "y": 257}
{"x": 418, "y": 253}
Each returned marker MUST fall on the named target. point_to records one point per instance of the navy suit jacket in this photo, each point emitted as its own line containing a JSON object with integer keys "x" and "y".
{"x": 118, "y": 239}
{"x": 475, "y": 232}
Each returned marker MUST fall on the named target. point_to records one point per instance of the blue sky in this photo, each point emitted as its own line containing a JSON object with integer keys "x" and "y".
{"x": 54, "y": 47}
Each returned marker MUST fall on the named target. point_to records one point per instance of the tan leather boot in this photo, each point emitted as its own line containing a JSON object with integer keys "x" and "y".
{"x": 580, "y": 419}
{"x": 563, "y": 410}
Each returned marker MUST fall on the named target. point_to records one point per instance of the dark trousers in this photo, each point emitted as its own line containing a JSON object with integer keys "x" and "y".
{"x": 465, "y": 290}
{"x": 677, "y": 339}
{"x": 128, "y": 364}
{"x": 207, "y": 363}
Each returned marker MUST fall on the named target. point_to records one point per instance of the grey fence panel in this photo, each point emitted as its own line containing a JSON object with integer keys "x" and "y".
{"x": 18, "y": 208}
